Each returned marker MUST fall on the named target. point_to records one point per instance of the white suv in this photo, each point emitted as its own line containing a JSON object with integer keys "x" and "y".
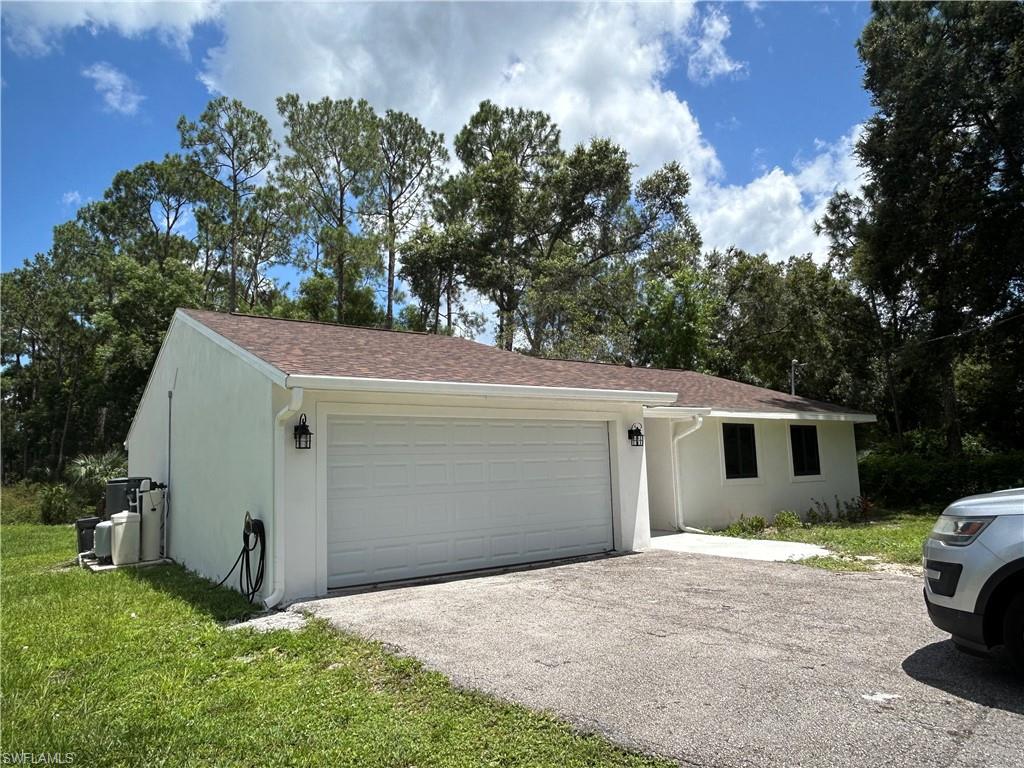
{"x": 974, "y": 573}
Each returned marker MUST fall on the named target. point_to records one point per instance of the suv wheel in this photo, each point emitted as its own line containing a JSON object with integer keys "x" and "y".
{"x": 1013, "y": 631}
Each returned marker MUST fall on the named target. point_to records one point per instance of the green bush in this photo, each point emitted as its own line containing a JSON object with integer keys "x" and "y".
{"x": 19, "y": 503}
{"x": 909, "y": 479}
{"x": 855, "y": 510}
{"x": 786, "y": 520}
{"x": 747, "y": 526}
{"x": 57, "y": 505}
{"x": 90, "y": 472}
{"x": 818, "y": 514}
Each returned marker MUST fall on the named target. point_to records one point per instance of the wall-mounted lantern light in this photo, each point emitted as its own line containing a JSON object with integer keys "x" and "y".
{"x": 636, "y": 435}
{"x": 303, "y": 437}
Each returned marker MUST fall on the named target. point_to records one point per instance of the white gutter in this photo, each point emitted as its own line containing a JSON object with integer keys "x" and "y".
{"x": 684, "y": 411}
{"x": 698, "y": 421}
{"x": 358, "y": 384}
{"x": 675, "y": 412}
{"x": 277, "y": 525}
{"x": 856, "y": 418}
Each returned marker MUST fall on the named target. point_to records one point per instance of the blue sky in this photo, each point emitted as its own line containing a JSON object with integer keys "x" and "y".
{"x": 759, "y": 103}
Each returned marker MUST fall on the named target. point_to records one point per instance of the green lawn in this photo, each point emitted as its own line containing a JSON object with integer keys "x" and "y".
{"x": 132, "y": 668}
{"x": 891, "y": 536}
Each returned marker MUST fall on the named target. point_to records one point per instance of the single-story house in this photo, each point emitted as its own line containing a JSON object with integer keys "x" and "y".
{"x": 433, "y": 454}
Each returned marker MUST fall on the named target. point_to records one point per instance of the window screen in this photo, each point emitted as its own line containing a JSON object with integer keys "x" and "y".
{"x": 740, "y": 450}
{"x": 804, "y": 440}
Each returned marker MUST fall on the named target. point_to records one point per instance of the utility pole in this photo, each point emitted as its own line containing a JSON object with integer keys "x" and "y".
{"x": 793, "y": 365}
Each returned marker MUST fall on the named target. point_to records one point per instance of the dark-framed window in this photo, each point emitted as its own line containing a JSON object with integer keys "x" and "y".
{"x": 740, "y": 451}
{"x": 803, "y": 438}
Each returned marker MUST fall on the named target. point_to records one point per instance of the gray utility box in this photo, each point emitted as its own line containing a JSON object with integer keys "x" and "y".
{"x": 102, "y": 541}
{"x": 119, "y": 490}
{"x": 84, "y": 528}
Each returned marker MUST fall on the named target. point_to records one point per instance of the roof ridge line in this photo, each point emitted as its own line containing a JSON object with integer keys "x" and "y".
{"x": 327, "y": 323}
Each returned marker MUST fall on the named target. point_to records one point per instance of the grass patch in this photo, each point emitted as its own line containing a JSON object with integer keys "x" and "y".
{"x": 132, "y": 668}
{"x": 832, "y": 563}
{"x": 19, "y": 503}
{"x": 891, "y": 536}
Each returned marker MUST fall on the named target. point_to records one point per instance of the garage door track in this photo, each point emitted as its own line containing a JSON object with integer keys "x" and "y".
{"x": 712, "y": 661}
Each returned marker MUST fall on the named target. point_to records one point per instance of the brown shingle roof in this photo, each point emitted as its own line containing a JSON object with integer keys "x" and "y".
{"x": 298, "y": 347}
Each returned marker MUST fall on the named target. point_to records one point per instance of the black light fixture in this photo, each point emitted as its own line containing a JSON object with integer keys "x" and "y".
{"x": 636, "y": 435}
{"x": 303, "y": 437}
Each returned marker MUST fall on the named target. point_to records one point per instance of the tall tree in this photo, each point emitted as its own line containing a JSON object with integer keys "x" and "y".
{"x": 267, "y": 234}
{"x": 508, "y": 155}
{"x": 944, "y": 160}
{"x": 677, "y": 321}
{"x": 233, "y": 146}
{"x": 431, "y": 265}
{"x": 145, "y": 209}
{"x": 334, "y": 163}
{"x": 411, "y": 165}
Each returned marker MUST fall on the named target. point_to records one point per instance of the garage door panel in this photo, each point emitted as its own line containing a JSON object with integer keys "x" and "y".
{"x": 469, "y": 473}
{"x": 504, "y": 470}
{"x": 389, "y": 474}
{"x": 468, "y": 549}
{"x": 432, "y": 473}
{"x": 425, "y": 496}
{"x": 347, "y": 477}
{"x": 594, "y": 435}
{"x": 395, "y": 433}
{"x": 350, "y": 434}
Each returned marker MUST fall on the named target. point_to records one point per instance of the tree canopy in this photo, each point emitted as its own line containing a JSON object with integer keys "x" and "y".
{"x": 562, "y": 251}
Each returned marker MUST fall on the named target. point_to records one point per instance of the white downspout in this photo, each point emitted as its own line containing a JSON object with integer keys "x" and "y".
{"x": 277, "y": 526}
{"x": 698, "y": 421}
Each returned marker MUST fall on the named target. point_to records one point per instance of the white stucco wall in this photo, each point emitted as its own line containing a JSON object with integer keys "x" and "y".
{"x": 222, "y": 462}
{"x": 305, "y": 534}
{"x": 661, "y": 491}
{"x": 710, "y": 501}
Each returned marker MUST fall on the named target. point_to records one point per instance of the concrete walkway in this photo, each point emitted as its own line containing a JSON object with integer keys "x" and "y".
{"x": 727, "y": 546}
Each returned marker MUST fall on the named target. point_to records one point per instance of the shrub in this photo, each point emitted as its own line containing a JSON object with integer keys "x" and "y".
{"x": 90, "y": 471}
{"x": 909, "y": 479}
{"x": 819, "y": 513}
{"x": 19, "y": 503}
{"x": 855, "y": 510}
{"x": 747, "y": 526}
{"x": 56, "y": 505}
{"x": 786, "y": 520}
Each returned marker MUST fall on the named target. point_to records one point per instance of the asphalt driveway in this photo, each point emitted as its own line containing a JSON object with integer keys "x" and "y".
{"x": 712, "y": 661}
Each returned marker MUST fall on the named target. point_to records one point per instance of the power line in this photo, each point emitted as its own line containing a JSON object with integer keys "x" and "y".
{"x": 959, "y": 334}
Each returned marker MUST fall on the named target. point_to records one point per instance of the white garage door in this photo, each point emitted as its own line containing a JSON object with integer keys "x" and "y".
{"x": 410, "y": 497}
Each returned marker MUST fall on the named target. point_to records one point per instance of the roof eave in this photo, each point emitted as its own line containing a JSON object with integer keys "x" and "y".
{"x": 856, "y": 418}
{"x": 410, "y": 386}
{"x": 674, "y": 412}
{"x": 272, "y": 372}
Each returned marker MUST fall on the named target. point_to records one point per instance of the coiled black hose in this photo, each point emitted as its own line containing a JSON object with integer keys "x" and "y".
{"x": 253, "y": 537}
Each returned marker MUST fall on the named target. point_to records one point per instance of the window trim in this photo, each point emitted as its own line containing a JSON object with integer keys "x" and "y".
{"x": 793, "y": 476}
{"x": 760, "y": 478}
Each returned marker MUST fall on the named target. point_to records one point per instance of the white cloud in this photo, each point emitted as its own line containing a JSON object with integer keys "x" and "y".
{"x": 599, "y": 70}
{"x": 710, "y": 59}
{"x": 775, "y": 212}
{"x": 71, "y": 199}
{"x": 36, "y": 28}
{"x": 755, "y": 7}
{"x": 117, "y": 89}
